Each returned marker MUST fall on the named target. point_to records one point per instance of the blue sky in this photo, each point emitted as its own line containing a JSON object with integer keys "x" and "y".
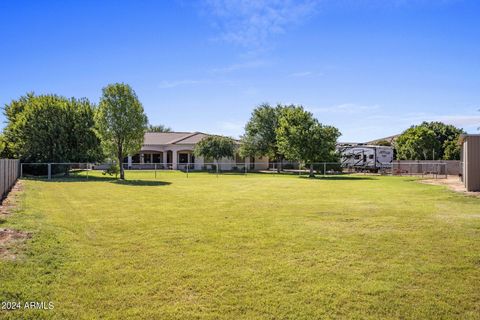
{"x": 371, "y": 68}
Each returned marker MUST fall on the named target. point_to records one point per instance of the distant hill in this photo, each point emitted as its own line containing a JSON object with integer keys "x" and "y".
{"x": 390, "y": 139}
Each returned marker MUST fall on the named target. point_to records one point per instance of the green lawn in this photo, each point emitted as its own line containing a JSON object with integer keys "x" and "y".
{"x": 245, "y": 247}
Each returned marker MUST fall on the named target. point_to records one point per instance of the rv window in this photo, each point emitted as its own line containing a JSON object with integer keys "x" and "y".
{"x": 357, "y": 157}
{"x": 370, "y": 156}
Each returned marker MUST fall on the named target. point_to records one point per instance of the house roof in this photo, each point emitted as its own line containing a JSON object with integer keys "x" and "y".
{"x": 159, "y": 138}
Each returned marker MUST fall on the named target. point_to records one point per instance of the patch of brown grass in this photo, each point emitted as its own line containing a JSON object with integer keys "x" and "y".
{"x": 9, "y": 241}
{"x": 11, "y": 201}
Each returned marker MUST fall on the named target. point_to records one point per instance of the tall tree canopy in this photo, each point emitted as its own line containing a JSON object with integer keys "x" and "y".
{"x": 215, "y": 147}
{"x": 158, "y": 128}
{"x": 121, "y": 122}
{"x": 301, "y": 137}
{"x": 260, "y": 138}
{"x": 429, "y": 140}
{"x": 50, "y": 128}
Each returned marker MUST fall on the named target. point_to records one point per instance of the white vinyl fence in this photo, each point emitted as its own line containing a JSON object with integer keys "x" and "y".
{"x": 9, "y": 172}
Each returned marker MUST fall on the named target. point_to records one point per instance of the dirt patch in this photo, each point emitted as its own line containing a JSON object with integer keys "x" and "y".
{"x": 453, "y": 183}
{"x": 10, "y": 240}
{"x": 10, "y": 202}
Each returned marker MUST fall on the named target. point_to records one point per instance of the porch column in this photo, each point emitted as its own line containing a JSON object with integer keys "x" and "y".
{"x": 129, "y": 161}
{"x": 142, "y": 158}
{"x": 189, "y": 157}
{"x": 174, "y": 159}
{"x": 164, "y": 154}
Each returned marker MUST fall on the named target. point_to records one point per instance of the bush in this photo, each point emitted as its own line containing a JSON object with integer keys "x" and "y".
{"x": 41, "y": 169}
{"x": 112, "y": 170}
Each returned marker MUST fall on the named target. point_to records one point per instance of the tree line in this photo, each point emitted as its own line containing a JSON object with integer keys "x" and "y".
{"x": 281, "y": 132}
{"x": 52, "y": 128}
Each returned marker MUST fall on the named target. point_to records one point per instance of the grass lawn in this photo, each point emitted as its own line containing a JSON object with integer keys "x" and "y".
{"x": 245, "y": 247}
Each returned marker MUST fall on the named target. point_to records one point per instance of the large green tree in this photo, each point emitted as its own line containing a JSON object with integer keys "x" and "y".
{"x": 50, "y": 128}
{"x": 215, "y": 147}
{"x": 301, "y": 137}
{"x": 260, "y": 138}
{"x": 429, "y": 140}
{"x": 121, "y": 122}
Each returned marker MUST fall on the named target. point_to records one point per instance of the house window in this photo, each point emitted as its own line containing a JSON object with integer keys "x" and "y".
{"x": 370, "y": 156}
{"x": 183, "y": 157}
{"x": 157, "y": 158}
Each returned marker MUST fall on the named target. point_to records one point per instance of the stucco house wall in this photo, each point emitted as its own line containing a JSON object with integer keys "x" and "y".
{"x": 470, "y": 157}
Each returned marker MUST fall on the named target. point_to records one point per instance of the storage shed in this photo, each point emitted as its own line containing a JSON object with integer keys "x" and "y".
{"x": 470, "y": 157}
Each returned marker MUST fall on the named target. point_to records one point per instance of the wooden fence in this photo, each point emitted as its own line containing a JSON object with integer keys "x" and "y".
{"x": 9, "y": 173}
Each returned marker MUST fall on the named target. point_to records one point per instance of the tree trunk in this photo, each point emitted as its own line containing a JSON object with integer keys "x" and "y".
{"x": 279, "y": 164}
{"x": 120, "y": 163}
{"x": 311, "y": 174}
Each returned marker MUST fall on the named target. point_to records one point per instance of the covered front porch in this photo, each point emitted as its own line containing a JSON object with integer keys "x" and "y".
{"x": 169, "y": 159}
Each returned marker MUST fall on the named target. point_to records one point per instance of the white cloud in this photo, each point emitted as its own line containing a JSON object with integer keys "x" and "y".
{"x": 459, "y": 120}
{"x": 252, "y": 22}
{"x": 240, "y": 66}
{"x": 301, "y": 74}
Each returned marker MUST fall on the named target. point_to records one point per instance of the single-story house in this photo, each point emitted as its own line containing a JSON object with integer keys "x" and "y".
{"x": 470, "y": 157}
{"x": 175, "y": 150}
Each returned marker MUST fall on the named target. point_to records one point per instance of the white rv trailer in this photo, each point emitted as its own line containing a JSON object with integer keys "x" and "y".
{"x": 366, "y": 157}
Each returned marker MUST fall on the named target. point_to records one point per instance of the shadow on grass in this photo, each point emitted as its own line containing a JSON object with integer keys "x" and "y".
{"x": 340, "y": 177}
{"x": 141, "y": 183}
{"x": 69, "y": 178}
{"x": 135, "y": 182}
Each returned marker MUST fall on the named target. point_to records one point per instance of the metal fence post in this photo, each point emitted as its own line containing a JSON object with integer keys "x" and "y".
{"x": 49, "y": 171}
{"x": 155, "y": 171}
{"x": 188, "y": 165}
{"x": 324, "y": 169}
{"x": 21, "y": 170}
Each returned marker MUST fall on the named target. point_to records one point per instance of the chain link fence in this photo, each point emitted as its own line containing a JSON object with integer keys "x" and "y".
{"x": 153, "y": 170}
